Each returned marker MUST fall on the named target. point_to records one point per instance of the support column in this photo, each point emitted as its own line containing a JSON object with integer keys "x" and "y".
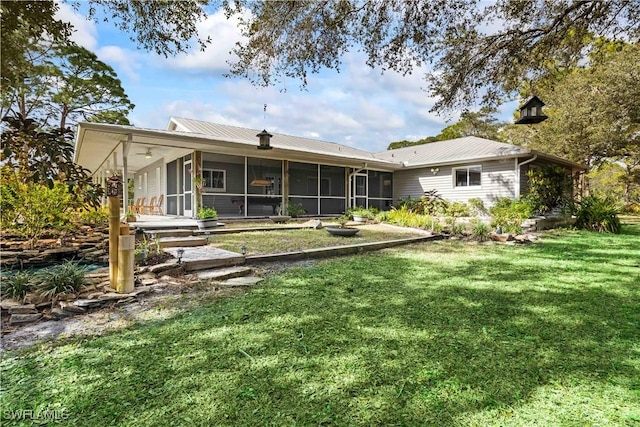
{"x": 285, "y": 187}
{"x": 114, "y": 234}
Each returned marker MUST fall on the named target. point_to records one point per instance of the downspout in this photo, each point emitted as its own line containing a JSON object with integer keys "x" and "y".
{"x": 518, "y": 165}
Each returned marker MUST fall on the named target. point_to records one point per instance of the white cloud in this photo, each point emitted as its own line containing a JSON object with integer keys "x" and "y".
{"x": 224, "y": 33}
{"x": 85, "y": 32}
{"x": 123, "y": 60}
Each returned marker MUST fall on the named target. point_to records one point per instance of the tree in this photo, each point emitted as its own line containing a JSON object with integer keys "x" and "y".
{"x": 63, "y": 84}
{"x": 28, "y": 155}
{"x": 470, "y": 58}
{"x": 593, "y": 111}
{"x": 481, "y": 123}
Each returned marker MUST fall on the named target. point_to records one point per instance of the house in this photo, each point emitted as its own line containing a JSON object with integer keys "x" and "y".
{"x": 221, "y": 166}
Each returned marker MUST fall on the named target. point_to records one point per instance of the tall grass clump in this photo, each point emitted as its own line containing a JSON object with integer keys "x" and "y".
{"x": 68, "y": 277}
{"x": 510, "y": 214}
{"x": 16, "y": 285}
{"x": 599, "y": 214}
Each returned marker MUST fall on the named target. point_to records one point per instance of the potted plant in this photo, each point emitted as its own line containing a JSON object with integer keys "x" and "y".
{"x": 207, "y": 218}
{"x": 342, "y": 229}
{"x": 360, "y": 214}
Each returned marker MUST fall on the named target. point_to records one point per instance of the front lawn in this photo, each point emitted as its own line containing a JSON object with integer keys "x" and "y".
{"x": 279, "y": 241}
{"x": 442, "y": 333}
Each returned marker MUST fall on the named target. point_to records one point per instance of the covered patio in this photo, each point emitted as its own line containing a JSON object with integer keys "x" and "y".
{"x": 221, "y": 167}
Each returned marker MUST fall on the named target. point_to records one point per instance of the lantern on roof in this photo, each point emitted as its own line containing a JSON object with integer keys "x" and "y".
{"x": 265, "y": 140}
{"x": 531, "y": 112}
{"x": 114, "y": 186}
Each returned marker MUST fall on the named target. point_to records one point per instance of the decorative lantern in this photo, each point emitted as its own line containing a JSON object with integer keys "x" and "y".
{"x": 114, "y": 186}
{"x": 265, "y": 138}
{"x": 531, "y": 112}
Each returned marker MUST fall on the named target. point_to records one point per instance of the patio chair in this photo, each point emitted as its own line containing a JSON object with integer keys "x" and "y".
{"x": 150, "y": 207}
{"x": 137, "y": 207}
{"x": 157, "y": 208}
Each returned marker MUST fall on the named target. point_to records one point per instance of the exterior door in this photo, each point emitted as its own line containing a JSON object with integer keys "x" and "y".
{"x": 359, "y": 190}
{"x": 187, "y": 189}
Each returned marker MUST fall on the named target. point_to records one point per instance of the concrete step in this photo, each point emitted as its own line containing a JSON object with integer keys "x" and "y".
{"x": 181, "y": 242}
{"x": 206, "y": 257}
{"x": 224, "y": 273}
{"x": 178, "y": 232}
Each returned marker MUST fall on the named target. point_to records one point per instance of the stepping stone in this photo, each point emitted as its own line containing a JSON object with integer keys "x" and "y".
{"x": 18, "y": 319}
{"x": 206, "y": 257}
{"x": 224, "y": 273}
{"x": 175, "y": 242}
{"x": 242, "y": 281}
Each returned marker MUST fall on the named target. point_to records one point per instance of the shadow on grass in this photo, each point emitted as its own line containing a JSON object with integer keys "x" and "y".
{"x": 406, "y": 337}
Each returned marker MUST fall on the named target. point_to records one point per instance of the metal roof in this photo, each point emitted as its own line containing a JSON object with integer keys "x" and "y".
{"x": 459, "y": 150}
{"x": 282, "y": 141}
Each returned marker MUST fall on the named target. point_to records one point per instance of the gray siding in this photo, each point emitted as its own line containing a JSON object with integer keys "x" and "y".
{"x": 497, "y": 180}
{"x": 152, "y": 181}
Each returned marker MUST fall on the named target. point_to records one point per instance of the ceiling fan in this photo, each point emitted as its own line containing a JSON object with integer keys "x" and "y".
{"x": 146, "y": 154}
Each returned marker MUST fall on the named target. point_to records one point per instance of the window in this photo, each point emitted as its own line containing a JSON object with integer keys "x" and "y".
{"x": 467, "y": 177}
{"x": 214, "y": 179}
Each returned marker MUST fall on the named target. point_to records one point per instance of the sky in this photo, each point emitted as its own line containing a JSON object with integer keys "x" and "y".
{"x": 358, "y": 107}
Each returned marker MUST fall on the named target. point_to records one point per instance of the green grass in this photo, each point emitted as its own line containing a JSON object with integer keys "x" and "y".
{"x": 279, "y": 241}
{"x": 444, "y": 333}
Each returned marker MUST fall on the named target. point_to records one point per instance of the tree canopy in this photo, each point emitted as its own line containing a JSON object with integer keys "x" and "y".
{"x": 476, "y": 50}
{"x": 481, "y": 123}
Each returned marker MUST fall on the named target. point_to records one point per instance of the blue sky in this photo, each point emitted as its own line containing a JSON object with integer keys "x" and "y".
{"x": 359, "y": 106}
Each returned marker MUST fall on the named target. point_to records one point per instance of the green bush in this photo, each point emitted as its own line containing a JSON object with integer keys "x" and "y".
{"x": 68, "y": 277}
{"x": 94, "y": 217}
{"x": 549, "y": 187}
{"x": 599, "y": 214}
{"x": 477, "y": 207}
{"x": 509, "y": 214}
{"x": 207, "y": 213}
{"x": 457, "y": 209}
{"x": 458, "y": 229}
{"x": 295, "y": 209}
{"x": 16, "y": 285}
{"x": 480, "y": 230}
{"x": 429, "y": 204}
{"x": 37, "y": 208}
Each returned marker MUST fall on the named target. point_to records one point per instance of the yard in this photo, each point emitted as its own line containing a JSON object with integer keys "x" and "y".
{"x": 441, "y": 333}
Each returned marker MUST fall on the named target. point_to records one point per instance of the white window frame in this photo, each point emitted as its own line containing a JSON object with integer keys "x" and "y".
{"x": 224, "y": 180}
{"x": 467, "y": 168}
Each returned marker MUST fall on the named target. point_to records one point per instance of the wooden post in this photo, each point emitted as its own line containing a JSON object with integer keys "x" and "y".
{"x": 114, "y": 234}
{"x": 285, "y": 187}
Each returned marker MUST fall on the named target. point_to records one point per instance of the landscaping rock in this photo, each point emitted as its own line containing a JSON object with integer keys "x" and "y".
{"x": 141, "y": 290}
{"x": 7, "y": 304}
{"x": 314, "y": 223}
{"x": 88, "y": 303}
{"x": 126, "y": 300}
{"x": 59, "y": 313}
{"x": 20, "y": 319}
{"x": 71, "y": 307}
{"x": 159, "y": 268}
{"x": 147, "y": 282}
{"x": 32, "y": 298}
{"x": 111, "y": 296}
{"x": 505, "y": 237}
{"x": 23, "y": 309}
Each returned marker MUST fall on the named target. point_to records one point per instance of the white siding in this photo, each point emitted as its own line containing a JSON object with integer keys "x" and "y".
{"x": 151, "y": 182}
{"x": 498, "y": 180}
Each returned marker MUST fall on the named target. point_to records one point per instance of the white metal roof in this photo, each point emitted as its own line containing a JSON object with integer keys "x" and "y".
{"x": 296, "y": 143}
{"x": 459, "y": 150}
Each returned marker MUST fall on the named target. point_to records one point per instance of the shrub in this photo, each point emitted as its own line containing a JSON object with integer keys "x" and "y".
{"x": 458, "y": 229}
{"x": 363, "y": 212}
{"x": 37, "y": 208}
{"x": 429, "y": 204}
{"x": 548, "y": 188}
{"x": 295, "y": 209}
{"x": 477, "y": 207}
{"x": 68, "y": 277}
{"x": 509, "y": 214}
{"x": 480, "y": 230}
{"x": 598, "y": 214}
{"x": 207, "y": 213}
{"x": 16, "y": 285}
{"x": 94, "y": 217}
{"x": 458, "y": 209}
